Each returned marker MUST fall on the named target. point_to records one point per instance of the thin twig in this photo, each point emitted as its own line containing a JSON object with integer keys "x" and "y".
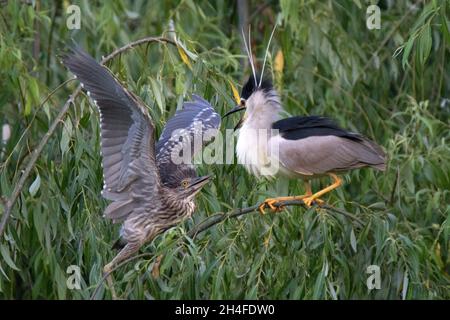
{"x": 36, "y": 153}
{"x": 5, "y": 163}
{"x": 136, "y": 43}
{"x": 124, "y": 262}
{"x": 37, "y": 34}
{"x": 57, "y": 9}
{"x": 217, "y": 218}
{"x": 394, "y": 187}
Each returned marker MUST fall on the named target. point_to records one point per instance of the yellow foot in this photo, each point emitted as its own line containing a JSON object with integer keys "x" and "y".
{"x": 309, "y": 200}
{"x": 315, "y": 197}
{"x": 271, "y": 204}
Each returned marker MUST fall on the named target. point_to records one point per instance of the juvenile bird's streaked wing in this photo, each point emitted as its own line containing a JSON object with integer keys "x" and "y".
{"x": 127, "y": 137}
{"x": 186, "y": 126}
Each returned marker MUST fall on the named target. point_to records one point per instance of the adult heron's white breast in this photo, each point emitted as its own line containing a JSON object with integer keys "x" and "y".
{"x": 252, "y": 150}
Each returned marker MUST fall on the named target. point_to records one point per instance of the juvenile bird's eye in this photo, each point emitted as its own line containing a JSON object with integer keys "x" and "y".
{"x": 184, "y": 183}
{"x": 242, "y": 102}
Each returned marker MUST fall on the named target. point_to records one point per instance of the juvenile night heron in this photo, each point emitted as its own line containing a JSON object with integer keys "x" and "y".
{"x": 149, "y": 191}
{"x": 305, "y": 147}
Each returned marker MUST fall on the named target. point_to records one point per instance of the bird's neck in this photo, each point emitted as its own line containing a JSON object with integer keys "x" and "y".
{"x": 256, "y": 131}
{"x": 182, "y": 206}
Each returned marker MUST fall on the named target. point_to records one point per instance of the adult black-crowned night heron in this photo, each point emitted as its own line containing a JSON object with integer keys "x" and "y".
{"x": 150, "y": 191}
{"x": 306, "y": 147}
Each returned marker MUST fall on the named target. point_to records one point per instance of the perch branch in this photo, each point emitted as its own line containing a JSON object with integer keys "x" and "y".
{"x": 36, "y": 153}
{"x": 217, "y": 218}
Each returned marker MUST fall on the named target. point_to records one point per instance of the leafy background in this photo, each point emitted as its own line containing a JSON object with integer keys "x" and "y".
{"x": 390, "y": 84}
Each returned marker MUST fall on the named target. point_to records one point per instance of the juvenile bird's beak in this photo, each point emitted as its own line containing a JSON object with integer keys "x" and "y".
{"x": 199, "y": 182}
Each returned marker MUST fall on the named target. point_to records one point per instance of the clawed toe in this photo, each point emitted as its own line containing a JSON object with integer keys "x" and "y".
{"x": 271, "y": 203}
{"x": 309, "y": 201}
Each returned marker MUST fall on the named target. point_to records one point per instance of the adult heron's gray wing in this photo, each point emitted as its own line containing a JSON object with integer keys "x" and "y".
{"x": 316, "y": 145}
{"x": 130, "y": 173}
{"x": 182, "y": 133}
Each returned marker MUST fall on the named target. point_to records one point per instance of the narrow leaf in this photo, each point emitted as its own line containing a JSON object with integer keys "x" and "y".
{"x": 34, "y": 187}
{"x": 424, "y": 44}
{"x": 279, "y": 62}
{"x": 405, "y": 286}
{"x": 236, "y": 96}
{"x": 158, "y": 95}
{"x": 353, "y": 240}
{"x": 184, "y": 56}
{"x": 407, "y": 51}
{"x": 6, "y": 256}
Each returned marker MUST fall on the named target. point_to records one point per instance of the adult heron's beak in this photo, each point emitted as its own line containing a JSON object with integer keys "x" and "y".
{"x": 235, "y": 109}
{"x": 239, "y": 124}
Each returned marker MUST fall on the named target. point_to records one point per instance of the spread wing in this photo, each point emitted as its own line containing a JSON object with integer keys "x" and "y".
{"x": 130, "y": 173}
{"x": 182, "y": 133}
{"x": 316, "y": 145}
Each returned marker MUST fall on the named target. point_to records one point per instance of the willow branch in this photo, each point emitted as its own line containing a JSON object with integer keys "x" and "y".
{"x": 34, "y": 156}
{"x": 136, "y": 43}
{"x": 9, "y": 204}
{"x": 217, "y": 218}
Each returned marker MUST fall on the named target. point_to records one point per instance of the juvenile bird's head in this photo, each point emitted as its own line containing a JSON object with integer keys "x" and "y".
{"x": 190, "y": 186}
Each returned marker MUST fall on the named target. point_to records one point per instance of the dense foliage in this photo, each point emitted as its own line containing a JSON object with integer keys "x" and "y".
{"x": 391, "y": 84}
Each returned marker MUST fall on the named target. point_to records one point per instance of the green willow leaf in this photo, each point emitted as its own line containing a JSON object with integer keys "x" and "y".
{"x": 424, "y": 44}
{"x": 7, "y": 257}
{"x": 406, "y": 52}
{"x": 34, "y": 187}
{"x": 157, "y": 93}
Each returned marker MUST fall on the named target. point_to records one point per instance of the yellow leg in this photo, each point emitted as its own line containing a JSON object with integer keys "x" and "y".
{"x": 127, "y": 251}
{"x": 155, "y": 269}
{"x": 109, "y": 280}
{"x": 270, "y": 202}
{"x": 315, "y": 197}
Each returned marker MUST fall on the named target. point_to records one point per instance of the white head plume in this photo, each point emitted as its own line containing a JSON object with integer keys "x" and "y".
{"x": 249, "y": 53}
{"x": 265, "y": 56}
{"x": 248, "y": 48}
